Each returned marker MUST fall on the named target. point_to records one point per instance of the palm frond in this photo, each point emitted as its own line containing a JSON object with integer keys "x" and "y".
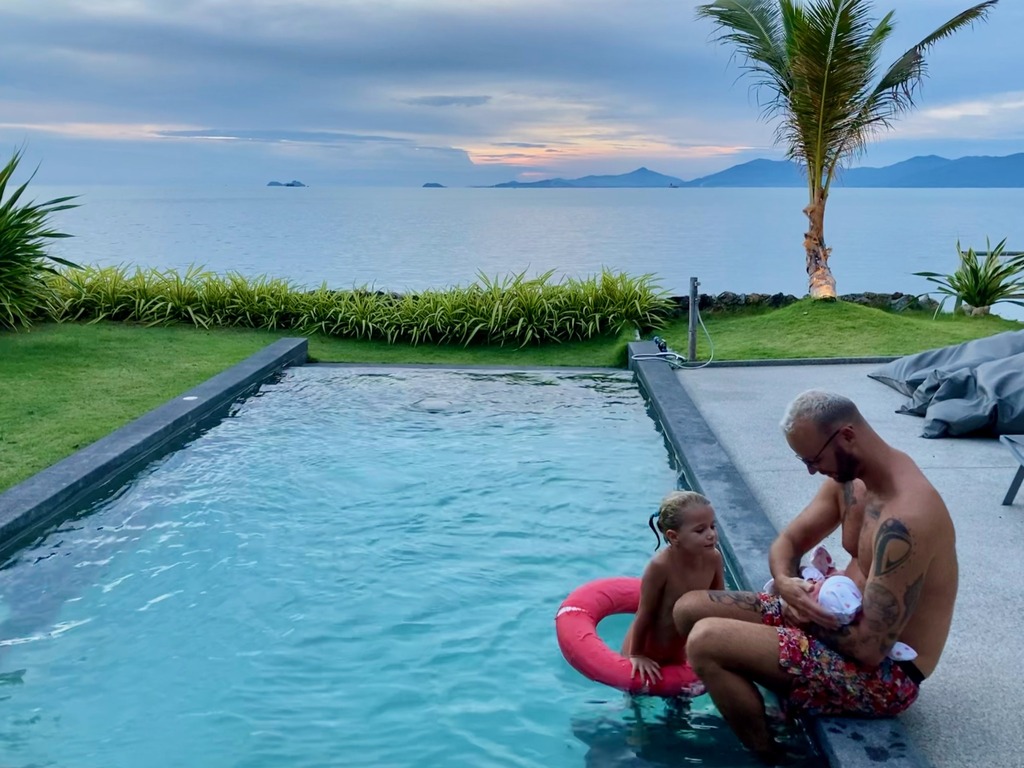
{"x": 975, "y": 13}
{"x": 756, "y": 29}
{"x": 893, "y": 95}
{"x": 838, "y": 52}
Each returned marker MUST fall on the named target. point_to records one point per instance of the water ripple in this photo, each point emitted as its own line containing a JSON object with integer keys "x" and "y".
{"x": 334, "y": 577}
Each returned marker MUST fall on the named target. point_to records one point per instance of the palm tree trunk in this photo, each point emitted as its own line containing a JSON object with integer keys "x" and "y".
{"x": 820, "y": 282}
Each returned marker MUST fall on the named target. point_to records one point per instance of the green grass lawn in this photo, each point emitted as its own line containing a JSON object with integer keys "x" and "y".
{"x": 65, "y": 386}
{"x": 811, "y": 328}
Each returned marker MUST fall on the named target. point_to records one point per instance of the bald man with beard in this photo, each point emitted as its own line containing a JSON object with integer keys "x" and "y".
{"x": 902, "y": 544}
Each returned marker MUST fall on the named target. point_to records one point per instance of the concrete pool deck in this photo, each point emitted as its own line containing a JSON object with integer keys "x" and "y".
{"x": 969, "y": 709}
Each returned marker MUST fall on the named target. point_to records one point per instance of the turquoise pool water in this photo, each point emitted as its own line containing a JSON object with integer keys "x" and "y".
{"x": 356, "y": 569}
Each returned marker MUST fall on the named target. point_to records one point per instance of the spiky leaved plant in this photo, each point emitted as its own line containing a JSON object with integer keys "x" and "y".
{"x": 981, "y": 282}
{"x": 510, "y": 310}
{"x": 24, "y": 232}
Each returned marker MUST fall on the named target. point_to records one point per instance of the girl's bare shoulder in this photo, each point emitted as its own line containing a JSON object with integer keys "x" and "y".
{"x": 659, "y": 564}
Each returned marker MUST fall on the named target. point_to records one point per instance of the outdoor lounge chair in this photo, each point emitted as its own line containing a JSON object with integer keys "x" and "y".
{"x": 1016, "y": 445}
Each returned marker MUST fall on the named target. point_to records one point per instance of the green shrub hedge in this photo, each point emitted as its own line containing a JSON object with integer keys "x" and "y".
{"x": 510, "y": 310}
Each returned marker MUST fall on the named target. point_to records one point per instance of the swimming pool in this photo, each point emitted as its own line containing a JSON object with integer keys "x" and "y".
{"x": 355, "y": 568}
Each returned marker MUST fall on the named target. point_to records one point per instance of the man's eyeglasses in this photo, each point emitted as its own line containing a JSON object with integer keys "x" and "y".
{"x": 813, "y": 462}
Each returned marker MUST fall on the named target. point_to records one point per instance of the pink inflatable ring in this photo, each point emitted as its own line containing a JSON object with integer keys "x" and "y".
{"x": 576, "y": 625}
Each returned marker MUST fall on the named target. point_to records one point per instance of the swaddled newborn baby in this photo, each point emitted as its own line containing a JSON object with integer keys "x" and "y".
{"x": 839, "y": 595}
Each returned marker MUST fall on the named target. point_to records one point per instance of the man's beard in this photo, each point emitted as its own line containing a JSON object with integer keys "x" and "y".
{"x": 847, "y": 466}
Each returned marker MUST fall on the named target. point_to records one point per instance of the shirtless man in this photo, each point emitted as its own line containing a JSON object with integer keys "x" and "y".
{"x": 900, "y": 535}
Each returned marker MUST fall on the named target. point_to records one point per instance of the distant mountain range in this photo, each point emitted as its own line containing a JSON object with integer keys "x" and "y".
{"x": 924, "y": 171}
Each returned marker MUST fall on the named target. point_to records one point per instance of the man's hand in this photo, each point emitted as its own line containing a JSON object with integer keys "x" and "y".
{"x": 648, "y": 669}
{"x": 801, "y": 603}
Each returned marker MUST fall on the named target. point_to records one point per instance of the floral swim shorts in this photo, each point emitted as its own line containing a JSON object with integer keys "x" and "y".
{"x": 827, "y": 683}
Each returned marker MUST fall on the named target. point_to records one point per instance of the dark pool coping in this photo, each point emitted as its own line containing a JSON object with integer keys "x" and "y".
{"x": 799, "y": 361}
{"x": 59, "y": 490}
{"x": 746, "y": 535}
{"x": 488, "y": 368}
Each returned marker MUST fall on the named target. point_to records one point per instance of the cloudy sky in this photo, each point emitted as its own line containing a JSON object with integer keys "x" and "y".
{"x": 461, "y": 92}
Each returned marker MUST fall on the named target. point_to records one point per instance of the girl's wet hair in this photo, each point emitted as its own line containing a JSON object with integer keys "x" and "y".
{"x": 670, "y": 515}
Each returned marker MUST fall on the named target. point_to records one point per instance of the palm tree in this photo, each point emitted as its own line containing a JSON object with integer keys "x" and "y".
{"x": 819, "y": 66}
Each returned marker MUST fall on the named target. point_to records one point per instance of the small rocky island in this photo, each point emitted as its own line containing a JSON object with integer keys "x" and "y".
{"x": 433, "y": 185}
{"x": 292, "y": 183}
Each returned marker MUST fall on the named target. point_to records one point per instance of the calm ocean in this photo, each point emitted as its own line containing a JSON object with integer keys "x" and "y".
{"x": 741, "y": 240}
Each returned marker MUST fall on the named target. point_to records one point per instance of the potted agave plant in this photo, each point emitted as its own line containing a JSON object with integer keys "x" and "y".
{"x": 982, "y": 279}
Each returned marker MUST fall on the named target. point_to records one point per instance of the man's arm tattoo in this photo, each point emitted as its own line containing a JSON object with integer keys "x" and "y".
{"x": 881, "y": 608}
{"x": 911, "y": 596}
{"x": 892, "y": 546}
{"x": 746, "y": 600}
{"x": 838, "y": 638}
{"x": 881, "y": 617}
{"x": 874, "y": 510}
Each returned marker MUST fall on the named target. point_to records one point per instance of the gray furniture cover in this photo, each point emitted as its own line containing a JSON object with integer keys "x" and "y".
{"x": 972, "y": 388}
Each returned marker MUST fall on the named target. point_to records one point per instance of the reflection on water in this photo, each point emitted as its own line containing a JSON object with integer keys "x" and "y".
{"x": 632, "y": 731}
{"x": 655, "y": 732}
